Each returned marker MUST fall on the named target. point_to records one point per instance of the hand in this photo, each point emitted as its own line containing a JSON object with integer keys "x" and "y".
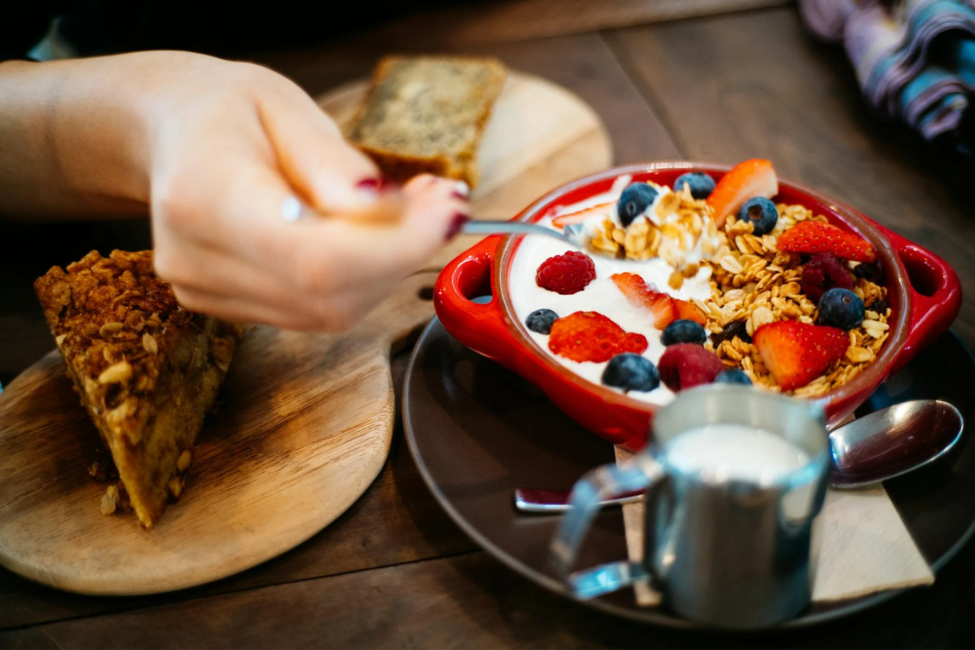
{"x": 218, "y": 153}
{"x": 227, "y": 158}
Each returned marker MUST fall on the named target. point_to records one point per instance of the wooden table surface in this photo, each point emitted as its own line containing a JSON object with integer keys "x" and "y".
{"x": 394, "y": 571}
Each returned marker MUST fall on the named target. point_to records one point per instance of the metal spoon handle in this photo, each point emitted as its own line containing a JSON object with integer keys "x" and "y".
{"x": 528, "y": 500}
{"x": 510, "y": 228}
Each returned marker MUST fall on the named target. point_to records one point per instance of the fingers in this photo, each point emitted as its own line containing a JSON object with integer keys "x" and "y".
{"x": 315, "y": 254}
{"x": 235, "y": 256}
{"x": 289, "y": 310}
{"x": 222, "y": 197}
{"x": 213, "y": 282}
{"x": 330, "y": 174}
{"x": 332, "y": 253}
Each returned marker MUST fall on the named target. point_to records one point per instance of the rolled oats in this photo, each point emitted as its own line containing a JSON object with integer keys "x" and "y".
{"x": 754, "y": 283}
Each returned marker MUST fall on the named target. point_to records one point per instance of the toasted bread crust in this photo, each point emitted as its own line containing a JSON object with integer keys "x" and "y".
{"x": 427, "y": 115}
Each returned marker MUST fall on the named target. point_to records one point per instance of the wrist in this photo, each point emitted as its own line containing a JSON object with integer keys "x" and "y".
{"x": 78, "y": 136}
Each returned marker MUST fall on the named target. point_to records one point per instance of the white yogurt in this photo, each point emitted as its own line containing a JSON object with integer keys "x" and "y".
{"x": 723, "y": 452}
{"x": 601, "y": 295}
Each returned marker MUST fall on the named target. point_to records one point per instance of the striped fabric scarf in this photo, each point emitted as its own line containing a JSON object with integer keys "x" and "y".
{"x": 914, "y": 59}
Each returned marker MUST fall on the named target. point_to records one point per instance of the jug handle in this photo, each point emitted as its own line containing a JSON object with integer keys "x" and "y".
{"x": 605, "y": 482}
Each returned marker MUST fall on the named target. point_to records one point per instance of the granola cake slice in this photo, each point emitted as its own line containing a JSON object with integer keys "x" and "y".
{"x": 426, "y": 114}
{"x": 147, "y": 371}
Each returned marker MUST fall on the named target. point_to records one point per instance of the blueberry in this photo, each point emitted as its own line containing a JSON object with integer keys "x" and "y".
{"x": 840, "y": 308}
{"x": 631, "y": 372}
{"x": 683, "y": 331}
{"x": 733, "y": 376}
{"x": 701, "y": 184}
{"x": 879, "y": 305}
{"x": 761, "y": 212}
{"x": 636, "y": 198}
{"x": 541, "y": 320}
{"x": 870, "y": 271}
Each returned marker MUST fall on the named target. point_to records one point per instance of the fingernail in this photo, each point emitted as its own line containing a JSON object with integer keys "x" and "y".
{"x": 370, "y": 188}
{"x": 456, "y": 223}
{"x": 461, "y": 191}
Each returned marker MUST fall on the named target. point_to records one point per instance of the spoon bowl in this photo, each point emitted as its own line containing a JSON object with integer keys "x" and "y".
{"x": 893, "y": 441}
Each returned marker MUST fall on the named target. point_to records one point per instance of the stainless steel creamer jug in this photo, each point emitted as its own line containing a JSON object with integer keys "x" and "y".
{"x": 724, "y": 551}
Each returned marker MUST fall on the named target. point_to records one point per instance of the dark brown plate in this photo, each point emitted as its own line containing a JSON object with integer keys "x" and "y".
{"x": 478, "y": 431}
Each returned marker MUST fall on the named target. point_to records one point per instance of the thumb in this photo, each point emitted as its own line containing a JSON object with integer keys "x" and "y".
{"x": 315, "y": 159}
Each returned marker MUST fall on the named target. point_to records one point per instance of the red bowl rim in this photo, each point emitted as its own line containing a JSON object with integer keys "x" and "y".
{"x": 897, "y": 283}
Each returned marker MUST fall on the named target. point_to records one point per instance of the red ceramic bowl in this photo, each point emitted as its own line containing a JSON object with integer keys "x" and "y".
{"x": 923, "y": 292}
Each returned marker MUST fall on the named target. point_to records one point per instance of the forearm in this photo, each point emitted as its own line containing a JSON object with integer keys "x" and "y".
{"x": 75, "y": 136}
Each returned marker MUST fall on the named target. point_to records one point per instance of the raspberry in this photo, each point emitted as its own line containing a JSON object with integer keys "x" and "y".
{"x": 590, "y": 336}
{"x": 686, "y": 365}
{"x": 567, "y": 273}
{"x": 822, "y": 273}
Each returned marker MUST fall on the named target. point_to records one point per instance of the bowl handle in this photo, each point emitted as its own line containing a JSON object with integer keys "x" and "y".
{"x": 935, "y": 295}
{"x": 481, "y": 326}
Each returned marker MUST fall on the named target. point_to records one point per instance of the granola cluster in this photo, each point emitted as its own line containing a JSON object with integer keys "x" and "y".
{"x": 110, "y": 317}
{"x": 753, "y": 283}
{"x": 110, "y": 309}
{"x": 680, "y": 231}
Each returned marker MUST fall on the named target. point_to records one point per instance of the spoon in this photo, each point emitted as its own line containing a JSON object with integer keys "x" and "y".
{"x": 388, "y": 207}
{"x": 571, "y": 234}
{"x": 879, "y": 446}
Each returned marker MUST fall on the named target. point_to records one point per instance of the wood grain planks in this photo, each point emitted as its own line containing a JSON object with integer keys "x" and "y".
{"x": 466, "y": 601}
{"x": 500, "y": 22}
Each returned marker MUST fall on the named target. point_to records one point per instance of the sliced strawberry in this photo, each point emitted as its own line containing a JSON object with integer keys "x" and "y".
{"x": 745, "y": 180}
{"x": 590, "y": 336}
{"x": 796, "y": 353}
{"x": 604, "y": 209}
{"x": 689, "y": 311}
{"x": 664, "y": 308}
{"x": 812, "y": 237}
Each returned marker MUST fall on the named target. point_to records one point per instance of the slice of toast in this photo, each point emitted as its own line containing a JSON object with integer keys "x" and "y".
{"x": 427, "y": 115}
{"x": 147, "y": 370}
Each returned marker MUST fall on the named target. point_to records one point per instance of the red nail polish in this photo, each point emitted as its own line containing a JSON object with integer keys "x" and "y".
{"x": 376, "y": 185}
{"x": 456, "y": 224}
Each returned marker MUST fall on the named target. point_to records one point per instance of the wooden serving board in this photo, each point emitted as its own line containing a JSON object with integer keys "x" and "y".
{"x": 305, "y": 421}
{"x": 539, "y": 137}
{"x": 303, "y": 427}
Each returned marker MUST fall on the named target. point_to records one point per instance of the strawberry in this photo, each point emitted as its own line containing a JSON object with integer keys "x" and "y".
{"x": 603, "y": 209}
{"x": 742, "y": 182}
{"x": 689, "y": 311}
{"x": 590, "y": 336}
{"x": 812, "y": 237}
{"x": 664, "y": 308}
{"x": 796, "y": 353}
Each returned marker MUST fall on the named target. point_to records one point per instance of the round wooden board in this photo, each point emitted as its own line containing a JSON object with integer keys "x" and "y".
{"x": 539, "y": 137}
{"x": 303, "y": 427}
